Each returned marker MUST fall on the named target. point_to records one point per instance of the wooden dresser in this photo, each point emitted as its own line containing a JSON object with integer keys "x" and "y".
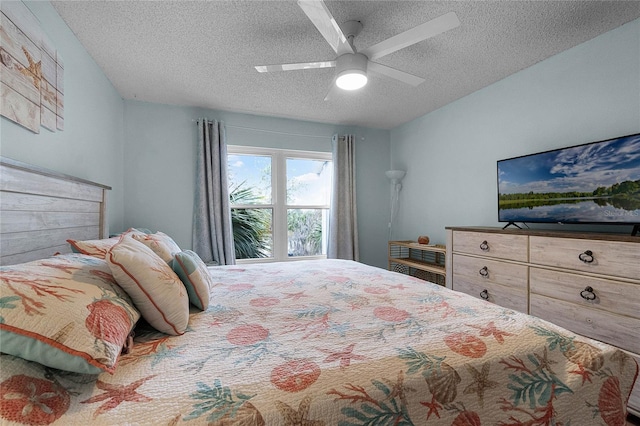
{"x": 587, "y": 283}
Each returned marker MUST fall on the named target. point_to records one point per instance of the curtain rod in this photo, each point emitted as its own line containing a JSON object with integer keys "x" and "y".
{"x": 270, "y": 131}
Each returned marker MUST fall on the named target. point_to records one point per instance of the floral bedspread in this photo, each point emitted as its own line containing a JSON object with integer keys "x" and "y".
{"x": 338, "y": 343}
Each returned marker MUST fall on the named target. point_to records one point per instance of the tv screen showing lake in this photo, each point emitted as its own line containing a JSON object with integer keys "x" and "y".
{"x": 596, "y": 182}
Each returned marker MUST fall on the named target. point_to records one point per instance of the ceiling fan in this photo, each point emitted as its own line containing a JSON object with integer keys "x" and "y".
{"x": 352, "y": 65}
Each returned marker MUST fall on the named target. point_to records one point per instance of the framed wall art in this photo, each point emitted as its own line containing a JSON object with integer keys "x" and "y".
{"x": 32, "y": 71}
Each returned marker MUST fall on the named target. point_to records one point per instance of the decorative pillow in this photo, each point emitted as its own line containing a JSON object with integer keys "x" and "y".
{"x": 195, "y": 277}
{"x": 161, "y": 244}
{"x": 95, "y": 248}
{"x": 154, "y": 288}
{"x": 65, "y": 312}
{"x": 99, "y": 248}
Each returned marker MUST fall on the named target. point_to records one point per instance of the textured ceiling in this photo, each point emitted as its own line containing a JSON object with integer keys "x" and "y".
{"x": 202, "y": 53}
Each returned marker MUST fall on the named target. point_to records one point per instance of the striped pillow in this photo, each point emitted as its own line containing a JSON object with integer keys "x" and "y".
{"x": 195, "y": 277}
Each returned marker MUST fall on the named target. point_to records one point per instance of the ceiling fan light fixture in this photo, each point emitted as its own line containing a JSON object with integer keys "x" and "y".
{"x": 351, "y": 80}
{"x": 351, "y": 71}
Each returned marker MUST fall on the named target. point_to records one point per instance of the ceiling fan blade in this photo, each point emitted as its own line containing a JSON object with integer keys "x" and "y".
{"x": 332, "y": 92}
{"x": 318, "y": 13}
{"x": 402, "y": 76}
{"x": 293, "y": 67}
{"x": 424, "y": 31}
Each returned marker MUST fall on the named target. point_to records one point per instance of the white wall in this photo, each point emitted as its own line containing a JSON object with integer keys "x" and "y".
{"x": 91, "y": 146}
{"x": 160, "y": 157}
{"x": 588, "y": 93}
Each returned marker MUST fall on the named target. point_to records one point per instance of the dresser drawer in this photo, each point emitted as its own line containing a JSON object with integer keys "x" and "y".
{"x": 507, "y": 297}
{"x": 614, "y": 296}
{"x": 620, "y": 259}
{"x": 489, "y": 271}
{"x": 601, "y": 325}
{"x": 503, "y": 246}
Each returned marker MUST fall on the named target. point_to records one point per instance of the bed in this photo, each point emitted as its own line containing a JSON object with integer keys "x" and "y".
{"x": 326, "y": 342}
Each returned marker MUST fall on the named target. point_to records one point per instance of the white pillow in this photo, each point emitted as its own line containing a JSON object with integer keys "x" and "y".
{"x": 154, "y": 288}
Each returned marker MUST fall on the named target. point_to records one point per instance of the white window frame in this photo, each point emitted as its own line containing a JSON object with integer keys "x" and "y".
{"x": 279, "y": 204}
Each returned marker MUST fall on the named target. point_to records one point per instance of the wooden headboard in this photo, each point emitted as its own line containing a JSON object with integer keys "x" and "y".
{"x": 40, "y": 209}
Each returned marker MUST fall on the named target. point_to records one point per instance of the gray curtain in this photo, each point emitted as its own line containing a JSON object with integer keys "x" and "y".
{"x": 343, "y": 223}
{"x": 212, "y": 231}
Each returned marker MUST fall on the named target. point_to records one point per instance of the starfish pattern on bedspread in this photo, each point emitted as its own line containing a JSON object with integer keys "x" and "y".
{"x": 117, "y": 394}
{"x": 345, "y": 356}
{"x": 491, "y": 330}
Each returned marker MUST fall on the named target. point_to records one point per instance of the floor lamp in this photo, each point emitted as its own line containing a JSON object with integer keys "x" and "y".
{"x": 395, "y": 176}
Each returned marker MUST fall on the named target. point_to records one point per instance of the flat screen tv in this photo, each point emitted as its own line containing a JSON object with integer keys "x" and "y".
{"x": 597, "y": 182}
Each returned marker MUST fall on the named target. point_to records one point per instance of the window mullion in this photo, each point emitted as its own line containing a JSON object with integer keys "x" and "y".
{"x": 307, "y": 207}
{"x": 279, "y": 187}
{"x": 252, "y": 206}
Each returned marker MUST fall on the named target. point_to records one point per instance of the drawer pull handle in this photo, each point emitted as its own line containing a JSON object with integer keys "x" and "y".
{"x": 484, "y": 294}
{"x": 586, "y": 257}
{"x": 588, "y": 294}
{"x": 484, "y": 272}
{"x": 484, "y": 246}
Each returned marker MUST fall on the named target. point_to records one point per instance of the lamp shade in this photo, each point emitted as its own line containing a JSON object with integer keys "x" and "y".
{"x": 351, "y": 71}
{"x": 395, "y": 175}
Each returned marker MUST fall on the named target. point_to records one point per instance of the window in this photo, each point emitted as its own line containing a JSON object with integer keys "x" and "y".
{"x": 279, "y": 202}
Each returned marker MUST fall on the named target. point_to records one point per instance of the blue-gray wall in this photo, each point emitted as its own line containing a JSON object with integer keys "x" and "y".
{"x": 587, "y": 93}
{"x": 92, "y": 144}
{"x": 160, "y": 154}
{"x": 146, "y": 152}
